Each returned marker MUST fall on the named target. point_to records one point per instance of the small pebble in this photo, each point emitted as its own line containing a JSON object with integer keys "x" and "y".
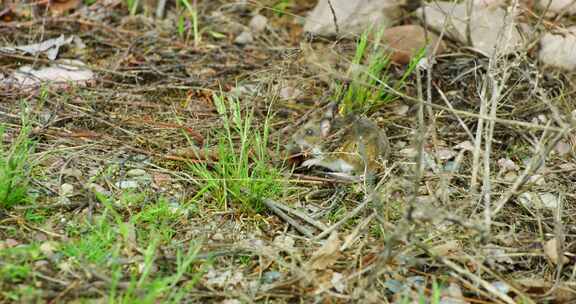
{"x": 401, "y": 110}
{"x": 136, "y": 172}
{"x": 127, "y": 184}
{"x": 289, "y": 93}
{"x": 218, "y": 237}
{"x": 271, "y": 276}
{"x": 41, "y": 264}
{"x": 9, "y": 243}
{"x": 244, "y": 38}
{"x": 258, "y": 23}
{"x": 66, "y": 190}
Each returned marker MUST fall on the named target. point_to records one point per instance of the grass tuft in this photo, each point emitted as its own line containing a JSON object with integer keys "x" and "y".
{"x": 15, "y": 167}
{"x": 370, "y": 78}
{"x": 242, "y": 171}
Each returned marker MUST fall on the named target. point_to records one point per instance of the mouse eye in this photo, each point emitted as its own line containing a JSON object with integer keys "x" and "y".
{"x": 309, "y": 132}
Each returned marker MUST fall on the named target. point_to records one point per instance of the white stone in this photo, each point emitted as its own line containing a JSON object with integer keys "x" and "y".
{"x": 559, "y": 49}
{"x": 491, "y": 28}
{"x": 558, "y": 6}
{"x": 244, "y": 38}
{"x": 258, "y": 23}
{"x": 353, "y": 17}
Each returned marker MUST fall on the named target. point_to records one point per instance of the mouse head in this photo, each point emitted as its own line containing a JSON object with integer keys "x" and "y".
{"x": 314, "y": 132}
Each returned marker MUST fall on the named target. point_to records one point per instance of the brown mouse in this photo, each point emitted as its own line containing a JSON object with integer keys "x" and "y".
{"x": 351, "y": 145}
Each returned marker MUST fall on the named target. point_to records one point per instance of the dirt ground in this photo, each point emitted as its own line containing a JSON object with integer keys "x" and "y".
{"x": 165, "y": 178}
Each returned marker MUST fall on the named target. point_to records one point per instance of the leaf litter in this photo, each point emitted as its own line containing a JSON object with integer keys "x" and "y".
{"x": 487, "y": 218}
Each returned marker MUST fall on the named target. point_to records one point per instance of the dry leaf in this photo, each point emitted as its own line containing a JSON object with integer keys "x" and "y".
{"x": 61, "y": 7}
{"x": 161, "y": 179}
{"x": 465, "y": 145}
{"x": 551, "y": 251}
{"x": 50, "y": 47}
{"x": 338, "y": 282}
{"x": 447, "y": 249}
{"x": 327, "y": 254}
{"x": 224, "y": 278}
{"x": 543, "y": 200}
{"x": 69, "y": 71}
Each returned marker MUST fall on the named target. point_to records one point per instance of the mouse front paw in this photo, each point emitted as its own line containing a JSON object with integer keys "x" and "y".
{"x": 312, "y": 162}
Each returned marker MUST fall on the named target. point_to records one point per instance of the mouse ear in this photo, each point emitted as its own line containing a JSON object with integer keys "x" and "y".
{"x": 325, "y": 126}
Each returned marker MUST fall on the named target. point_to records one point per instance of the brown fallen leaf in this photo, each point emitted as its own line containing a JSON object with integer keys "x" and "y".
{"x": 449, "y": 248}
{"x": 160, "y": 179}
{"x": 196, "y": 153}
{"x": 405, "y": 42}
{"x": 551, "y": 251}
{"x": 61, "y": 7}
{"x": 327, "y": 255}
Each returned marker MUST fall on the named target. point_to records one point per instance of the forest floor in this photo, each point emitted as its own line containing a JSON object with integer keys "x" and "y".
{"x": 165, "y": 180}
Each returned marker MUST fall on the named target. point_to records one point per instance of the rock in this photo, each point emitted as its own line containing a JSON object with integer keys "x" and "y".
{"x": 289, "y": 93}
{"x": 9, "y": 243}
{"x": 401, "y": 110}
{"x": 258, "y": 23}
{"x": 558, "y": 6}
{"x": 452, "y": 295}
{"x": 244, "y": 38}
{"x": 507, "y": 164}
{"x": 353, "y": 17}
{"x": 545, "y": 200}
{"x": 559, "y": 49}
{"x": 405, "y": 42}
{"x": 243, "y": 90}
{"x": 270, "y": 277}
{"x": 445, "y": 154}
{"x": 501, "y": 286}
{"x": 486, "y": 26}
{"x": 549, "y": 200}
{"x": 563, "y": 148}
{"x": 488, "y": 3}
